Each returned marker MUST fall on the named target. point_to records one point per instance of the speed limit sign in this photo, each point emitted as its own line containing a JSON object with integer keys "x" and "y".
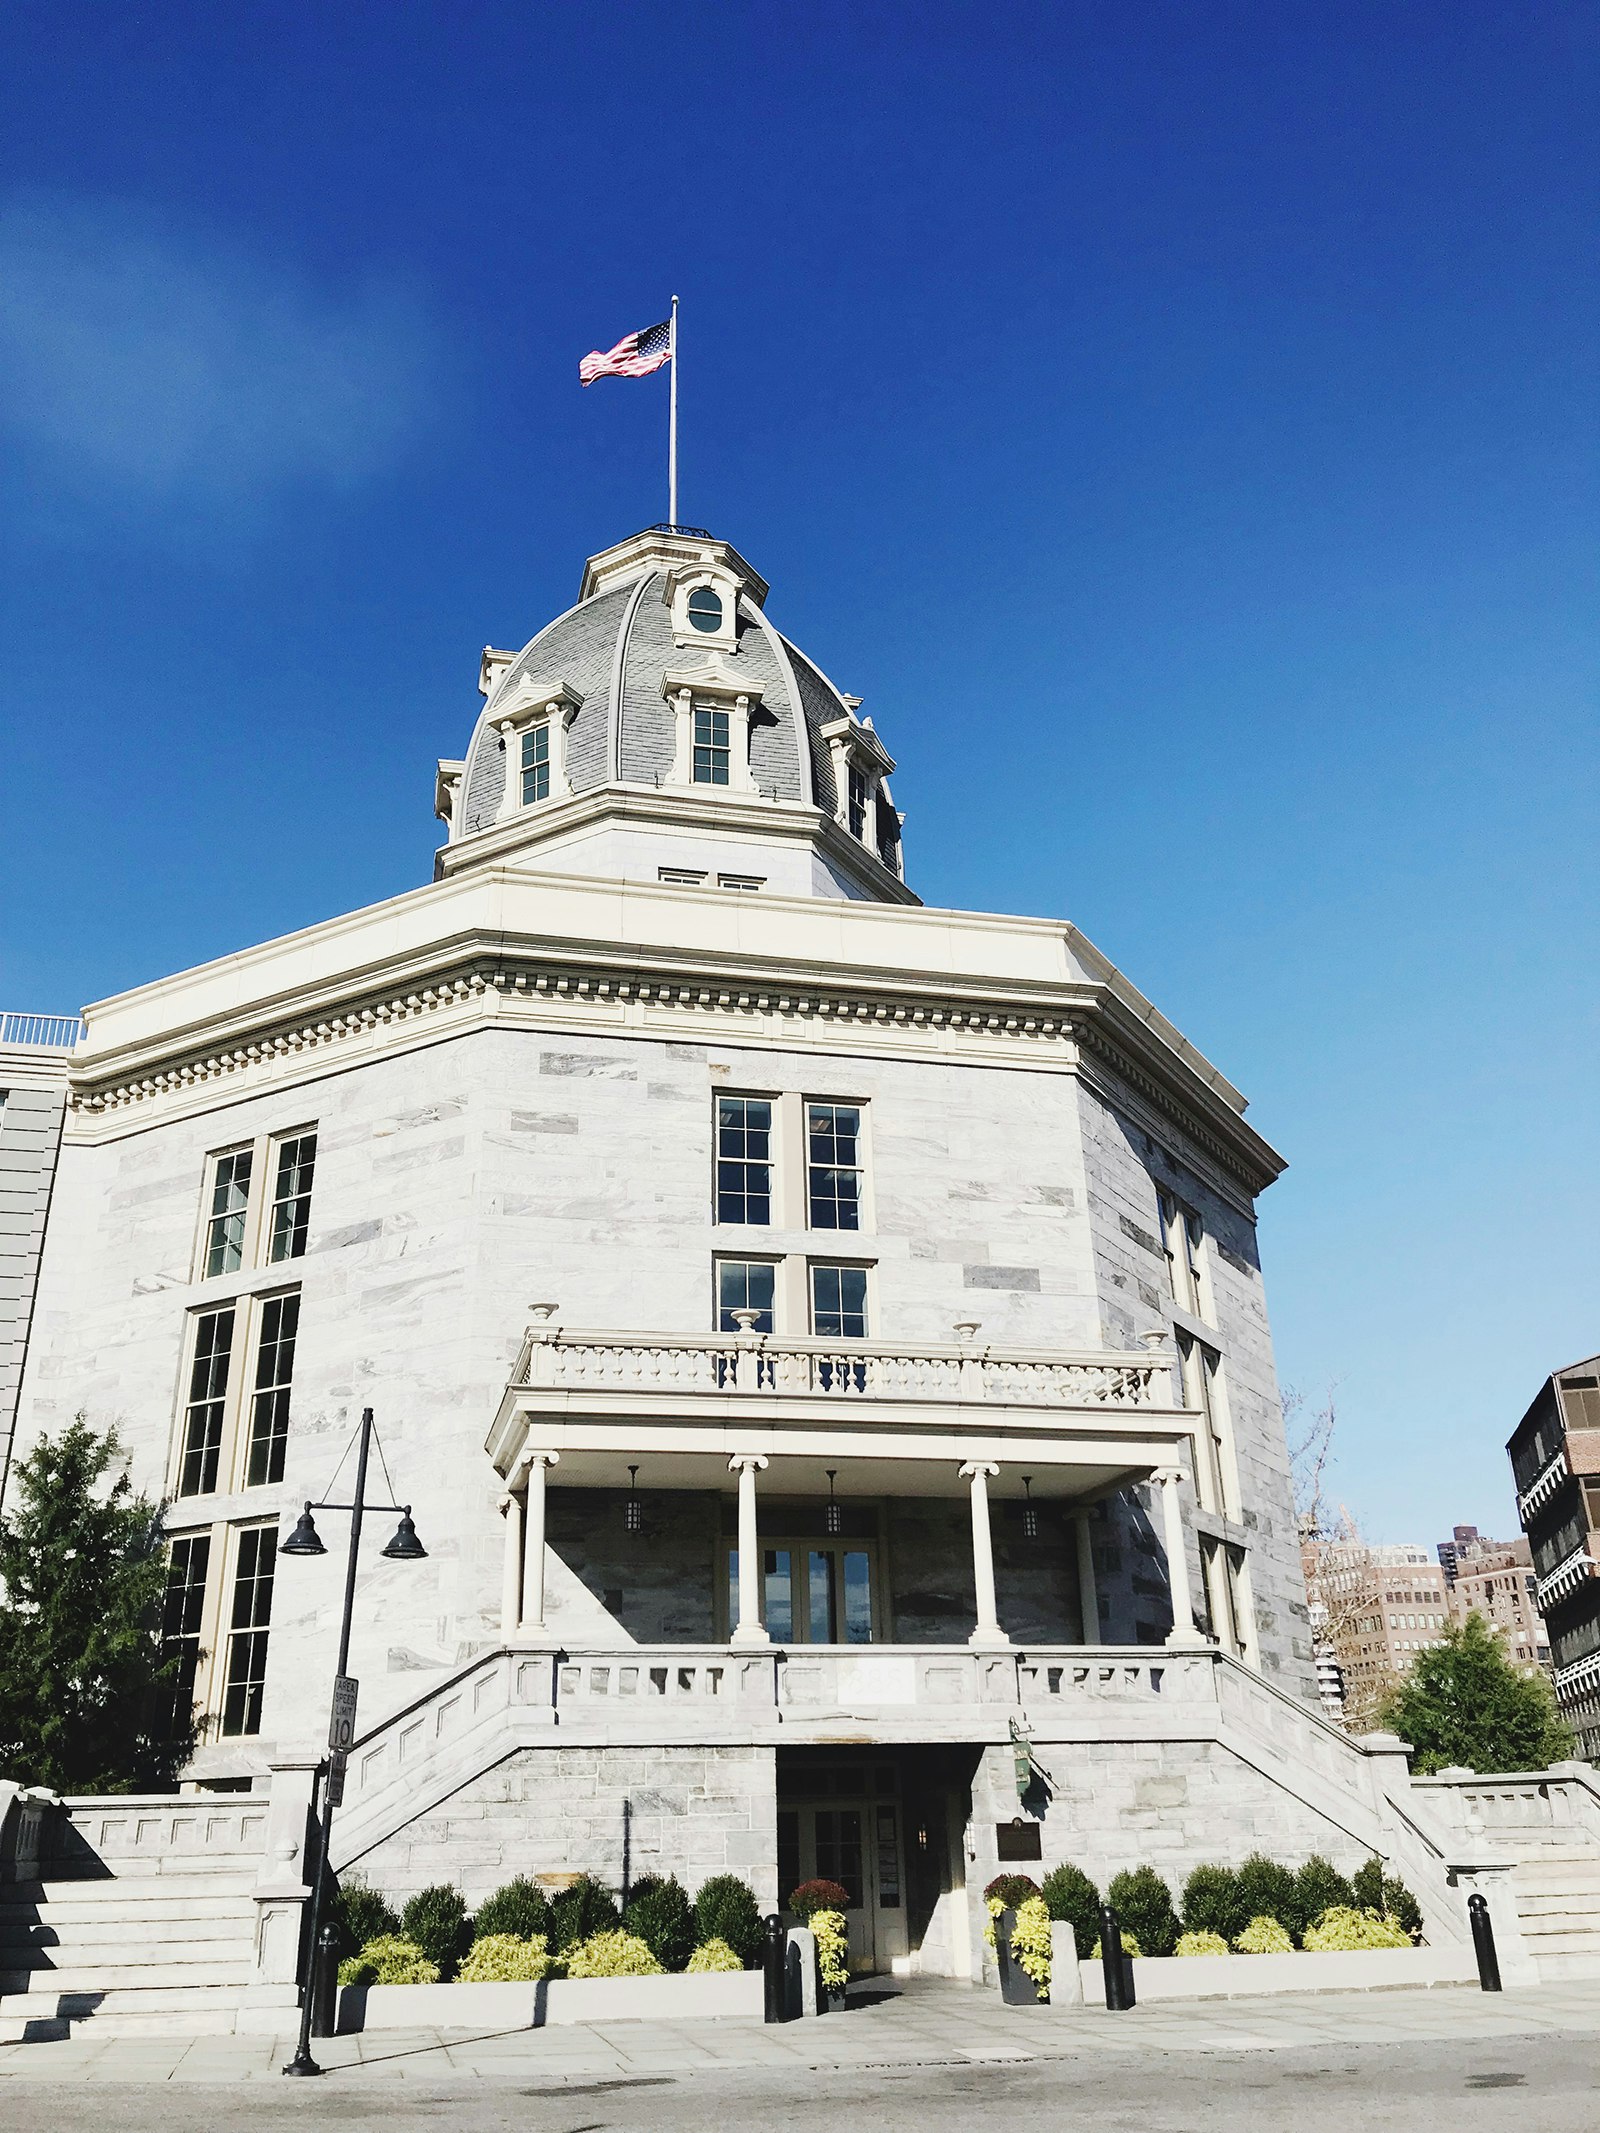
{"x": 342, "y": 1725}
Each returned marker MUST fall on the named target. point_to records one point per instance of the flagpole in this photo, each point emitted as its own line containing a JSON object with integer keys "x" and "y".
{"x": 672, "y": 427}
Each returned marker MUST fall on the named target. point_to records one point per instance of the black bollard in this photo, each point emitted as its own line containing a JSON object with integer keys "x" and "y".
{"x": 324, "y": 1983}
{"x": 775, "y": 1966}
{"x": 1118, "y": 1970}
{"x": 1483, "y": 1943}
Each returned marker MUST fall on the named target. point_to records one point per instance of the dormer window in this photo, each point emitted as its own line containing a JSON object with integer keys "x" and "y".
{"x": 536, "y": 763}
{"x": 861, "y": 768}
{"x": 712, "y": 748}
{"x": 858, "y": 803}
{"x": 705, "y": 609}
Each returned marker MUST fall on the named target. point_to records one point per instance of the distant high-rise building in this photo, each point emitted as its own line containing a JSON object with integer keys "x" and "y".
{"x": 1555, "y": 1461}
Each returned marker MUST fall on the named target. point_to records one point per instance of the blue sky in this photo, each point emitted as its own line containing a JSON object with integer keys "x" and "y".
{"x": 1177, "y": 421}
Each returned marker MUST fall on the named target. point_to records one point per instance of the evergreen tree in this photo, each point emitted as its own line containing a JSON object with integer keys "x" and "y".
{"x": 1464, "y": 1702}
{"x": 89, "y": 1701}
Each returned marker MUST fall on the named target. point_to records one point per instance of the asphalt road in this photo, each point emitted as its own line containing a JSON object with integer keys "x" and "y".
{"x": 1548, "y": 2084}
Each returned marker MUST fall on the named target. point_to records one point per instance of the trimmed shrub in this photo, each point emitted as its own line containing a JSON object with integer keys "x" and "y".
{"x": 521, "y": 1907}
{"x": 1374, "y": 1890}
{"x": 505, "y": 1959}
{"x": 1211, "y": 1902}
{"x": 391, "y": 1959}
{"x": 1011, "y": 1890}
{"x": 659, "y": 1912}
{"x": 713, "y": 1955}
{"x": 1030, "y": 1941}
{"x": 582, "y": 1911}
{"x": 1264, "y": 1936}
{"x": 1318, "y": 1887}
{"x": 613, "y": 1954}
{"x": 817, "y": 1896}
{"x": 1268, "y": 1890}
{"x": 1070, "y": 1894}
{"x": 360, "y": 1914}
{"x": 1200, "y": 1944}
{"x": 833, "y": 1949}
{"x": 1143, "y": 1902}
{"x": 1130, "y": 1945}
{"x": 726, "y": 1910}
{"x": 436, "y": 1919}
{"x": 1345, "y": 1928}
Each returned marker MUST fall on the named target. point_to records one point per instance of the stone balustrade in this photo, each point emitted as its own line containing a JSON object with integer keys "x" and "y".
{"x": 555, "y": 1359}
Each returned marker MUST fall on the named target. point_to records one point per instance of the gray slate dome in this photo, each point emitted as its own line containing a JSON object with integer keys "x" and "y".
{"x": 621, "y": 660}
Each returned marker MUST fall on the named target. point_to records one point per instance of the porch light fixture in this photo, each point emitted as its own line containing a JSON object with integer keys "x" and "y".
{"x": 832, "y": 1519}
{"x": 633, "y": 1510}
{"x": 1030, "y": 1517}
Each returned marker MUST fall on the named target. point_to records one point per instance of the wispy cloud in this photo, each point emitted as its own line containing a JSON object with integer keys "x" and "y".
{"x": 144, "y": 353}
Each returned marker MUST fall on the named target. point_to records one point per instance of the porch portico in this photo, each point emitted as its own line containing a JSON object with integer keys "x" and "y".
{"x": 800, "y": 1439}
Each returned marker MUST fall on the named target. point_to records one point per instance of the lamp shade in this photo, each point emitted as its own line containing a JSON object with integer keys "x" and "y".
{"x": 405, "y": 1547}
{"x": 305, "y": 1539}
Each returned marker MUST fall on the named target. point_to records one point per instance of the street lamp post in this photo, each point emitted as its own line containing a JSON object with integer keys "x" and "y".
{"x": 305, "y": 1540}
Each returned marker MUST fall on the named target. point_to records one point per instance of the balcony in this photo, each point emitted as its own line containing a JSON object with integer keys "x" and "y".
{"x": 697, "y": 1400}
{"x": 39, "y": 1033}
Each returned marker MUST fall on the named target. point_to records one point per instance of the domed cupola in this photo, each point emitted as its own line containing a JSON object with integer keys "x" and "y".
{"x": 662, "y": 730}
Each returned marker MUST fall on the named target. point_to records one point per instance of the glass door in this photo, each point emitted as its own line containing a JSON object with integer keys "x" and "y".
{"x": 812, "y": 1592}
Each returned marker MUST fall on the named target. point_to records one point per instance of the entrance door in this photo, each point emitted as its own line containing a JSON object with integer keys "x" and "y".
{"x": 851, "y": 1835}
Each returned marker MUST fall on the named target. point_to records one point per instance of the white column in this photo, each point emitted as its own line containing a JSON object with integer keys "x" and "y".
{"x": 511, "y": 1567}
{"x": 1088, "y": 1597}
{"x": 1183, "y": 1623}
{"x": 533, "y": 1543}
{"x": 988, "y": 1633}
{"x": 748, "y": 1629}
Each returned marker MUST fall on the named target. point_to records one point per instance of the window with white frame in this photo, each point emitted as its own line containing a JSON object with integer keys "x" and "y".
{"x": 535, "y": 763}
{"x": 229, "y": 1211}
{"x": 833, "y": 1165}
{"x": 839, "y": 1302}
{"x": 705, "y": 609}
{"x": 229, "y": 1437}
{"x": 1183, "y": 1242}
{"x": 744, "y": 1159}
{"x": 711, "y": 745}
{"x": 183, "y": 1609}
{"x": 746, "y": 1285}
{"x": 256, "y": 1209}
{"x": 859, "y": 794}
{"x": 250, "y": 1617}
{"x": 1201, "y": 1369}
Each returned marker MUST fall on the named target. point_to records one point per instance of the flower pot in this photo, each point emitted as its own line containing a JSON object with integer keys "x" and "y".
{"x": 1017, "y": 1989}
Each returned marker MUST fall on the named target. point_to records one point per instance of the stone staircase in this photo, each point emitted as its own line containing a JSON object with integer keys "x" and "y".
{"x": 1557, "y": 1892}
{"x": 143, "y": 1950}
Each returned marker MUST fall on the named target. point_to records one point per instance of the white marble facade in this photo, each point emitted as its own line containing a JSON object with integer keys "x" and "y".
{"x": 513, "y": 1076}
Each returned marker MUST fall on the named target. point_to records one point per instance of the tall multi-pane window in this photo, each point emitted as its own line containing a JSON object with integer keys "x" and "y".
{"x": 230, "y": 1204}
{"x": 1201, "y": 1368}
{"x": 833, "y": 1165}
{"x": 536, "y": 763}
{"x": 744, "y": 1159}
{"x": 839, "y": 1302}
{"x": 247, "y": 1629}
{"x": 182, "y": 1612}
{"x": 858, "y": 803}
{"x": 204, "y": 1409}
{"x": 269, "y": 1402}
{"x": 291, "y": 1197}
{"x": 745, "y": 1285}
{"x": 711, "y": 746}
{"x": 1182, "y": 1238}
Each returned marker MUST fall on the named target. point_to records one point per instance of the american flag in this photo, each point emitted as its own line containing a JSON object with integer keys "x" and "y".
{"x": 635, "y": 355}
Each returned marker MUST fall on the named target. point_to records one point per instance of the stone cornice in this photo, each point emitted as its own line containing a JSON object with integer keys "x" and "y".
{"x": 360, "y": 996}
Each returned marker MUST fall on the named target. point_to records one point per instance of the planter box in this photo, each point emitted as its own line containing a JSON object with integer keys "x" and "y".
{"x": 1221, "y": 1977}
{"x": 718, "y": 1996}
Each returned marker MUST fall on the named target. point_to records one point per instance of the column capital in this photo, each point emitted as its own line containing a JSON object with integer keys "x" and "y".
{"x": 747, "y": 1462}
{"x": 974, "y": 1467}
{"x": 531, "y": 1459}
{"x": 1167, "y": 1477}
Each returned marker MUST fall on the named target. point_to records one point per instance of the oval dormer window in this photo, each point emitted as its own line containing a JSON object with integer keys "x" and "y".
{"x": 705, "y": 609}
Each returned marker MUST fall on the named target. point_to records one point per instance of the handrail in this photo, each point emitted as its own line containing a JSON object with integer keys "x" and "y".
{"x": 41, "y": 1033}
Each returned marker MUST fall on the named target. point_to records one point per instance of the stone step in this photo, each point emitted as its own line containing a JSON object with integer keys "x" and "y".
{"x": 1543, "y": 1903}
{"x": 34, "y": 2029}
{"x": 1558, "y": 1969}
{"x": 121, "y": 1904}
{"x": 1559, "y": 1937}
{"x": 147, "y": 2011}
{"x": 230, "y": 1966}
{"x": 79, "y": 1936}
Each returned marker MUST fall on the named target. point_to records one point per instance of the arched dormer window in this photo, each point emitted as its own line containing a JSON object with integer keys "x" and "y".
{"x": 704, "y": 609}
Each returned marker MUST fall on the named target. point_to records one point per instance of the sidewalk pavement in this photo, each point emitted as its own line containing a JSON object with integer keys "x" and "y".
{"x": 931, "y": 2022}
